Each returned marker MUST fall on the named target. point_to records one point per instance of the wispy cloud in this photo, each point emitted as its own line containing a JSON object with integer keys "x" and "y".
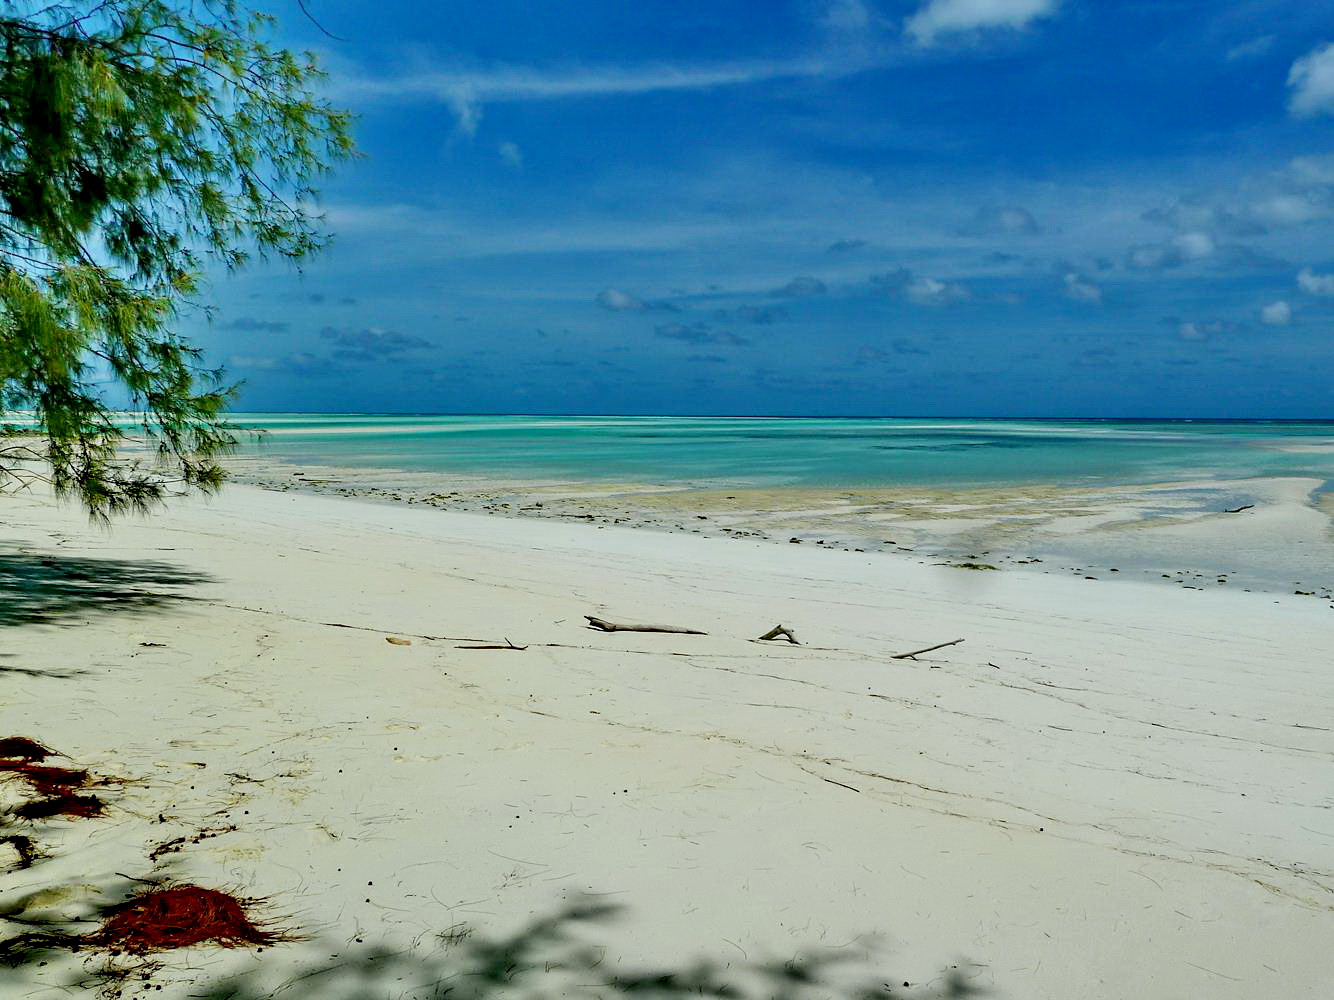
{"x": 511, "y": 154}
{"x": 1252, "y": 49}
{"x": 466, "y": 91}
{"x": 852, "y": 41}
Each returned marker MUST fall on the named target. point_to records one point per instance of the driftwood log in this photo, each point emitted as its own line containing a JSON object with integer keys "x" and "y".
{"x": 603, "y": 625}
{"x": 915, "y": 652}
{"x": 776, "y": 632}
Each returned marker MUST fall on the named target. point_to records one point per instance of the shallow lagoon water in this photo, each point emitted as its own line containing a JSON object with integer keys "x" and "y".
{"x": 805, "y": 452}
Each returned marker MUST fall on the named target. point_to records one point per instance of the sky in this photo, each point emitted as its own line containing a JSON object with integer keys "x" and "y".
{"x": 824, "y": 207}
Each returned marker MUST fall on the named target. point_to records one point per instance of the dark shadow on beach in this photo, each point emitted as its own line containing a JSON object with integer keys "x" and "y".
{"x": 45, "y": 589}
{"x": 553, "y": 956}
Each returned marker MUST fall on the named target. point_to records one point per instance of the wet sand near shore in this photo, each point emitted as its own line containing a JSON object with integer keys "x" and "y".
{"x": 1249, "y": 534}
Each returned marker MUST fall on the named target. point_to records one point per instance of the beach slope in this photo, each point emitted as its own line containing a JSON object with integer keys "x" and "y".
{"x": 1108, "y": 789}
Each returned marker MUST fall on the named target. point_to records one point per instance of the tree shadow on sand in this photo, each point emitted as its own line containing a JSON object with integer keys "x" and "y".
{"x": 44, "y": 589}
{"x": 552, "y": 956}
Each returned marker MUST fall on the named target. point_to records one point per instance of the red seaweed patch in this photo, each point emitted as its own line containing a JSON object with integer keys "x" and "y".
{"x": 22, "y": 748}
{"x": 69, "y": 806}
{"x": 57, "y": 788}
{"x": 178, "y": 917}
{"x": 45, "y": 779}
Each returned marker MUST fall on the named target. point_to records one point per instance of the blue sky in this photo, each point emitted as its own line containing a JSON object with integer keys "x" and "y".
{"x": 915, "y": 207}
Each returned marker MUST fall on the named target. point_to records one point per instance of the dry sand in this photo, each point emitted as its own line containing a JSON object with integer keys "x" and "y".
{"x": 1110, "y": 789}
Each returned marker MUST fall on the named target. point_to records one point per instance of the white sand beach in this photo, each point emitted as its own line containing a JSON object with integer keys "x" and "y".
{"x": 1109, "y": 789}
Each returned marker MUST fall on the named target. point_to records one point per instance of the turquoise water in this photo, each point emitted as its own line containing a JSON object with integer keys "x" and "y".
{"x": 803, "y": 451}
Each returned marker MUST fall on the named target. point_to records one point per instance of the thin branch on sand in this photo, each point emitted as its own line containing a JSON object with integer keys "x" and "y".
{"x": 915, "y": 652}
{"x": 507, "y": 645}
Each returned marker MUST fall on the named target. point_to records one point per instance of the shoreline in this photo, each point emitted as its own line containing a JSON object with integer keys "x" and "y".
{"x": 1187, "y": 533}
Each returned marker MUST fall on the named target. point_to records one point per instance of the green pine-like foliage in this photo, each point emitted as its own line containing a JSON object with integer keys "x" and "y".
{"x": 140, "y": 140}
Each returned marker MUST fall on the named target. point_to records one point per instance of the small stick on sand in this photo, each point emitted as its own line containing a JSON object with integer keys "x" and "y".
{"x": 508, "y": 645}
{"x": 367, "y": 628}
{"x": 606, "y": 626}
{"x": 776, "y": 631}
{"x": 913, "y": 654}
{"x": 1238, "y": 510}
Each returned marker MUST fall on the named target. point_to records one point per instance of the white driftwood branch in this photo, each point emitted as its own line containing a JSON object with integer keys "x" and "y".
{"x": 606, "y": 626}
{"x": 779, "y": 630}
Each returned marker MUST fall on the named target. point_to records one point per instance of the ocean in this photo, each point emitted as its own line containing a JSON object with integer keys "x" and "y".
{"x": 803, "y": 452}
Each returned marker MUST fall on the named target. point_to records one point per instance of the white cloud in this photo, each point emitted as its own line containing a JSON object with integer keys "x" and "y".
{"x": 851, "y": 25}
{"x": 1313, "y": 169}
{"x": 1203, "y": 330}
{"x": 1183, "y": 247}
{"x": 619, "y": 301}
{"x": 1297, "y": 194}
{"x": 1194, "y": 246}
{"x": 1311, "y": 80}
{"x": 1151, "y": 256}
{"x": 952, "y": 17}
{"x": 1315, "y": 284}
{"x": 920, "y": 289}
{"x": 1194, "y": 215}
{"x": 1276, "y": 314}
{"x": 1080, "y": 289}
{"x": 1206, "y": 329}
{"x": 934, "y": 292}
{"x": 511, "y": 154}
{"x": 1291, "y": 209}
{"x": 1191, "y": 331}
